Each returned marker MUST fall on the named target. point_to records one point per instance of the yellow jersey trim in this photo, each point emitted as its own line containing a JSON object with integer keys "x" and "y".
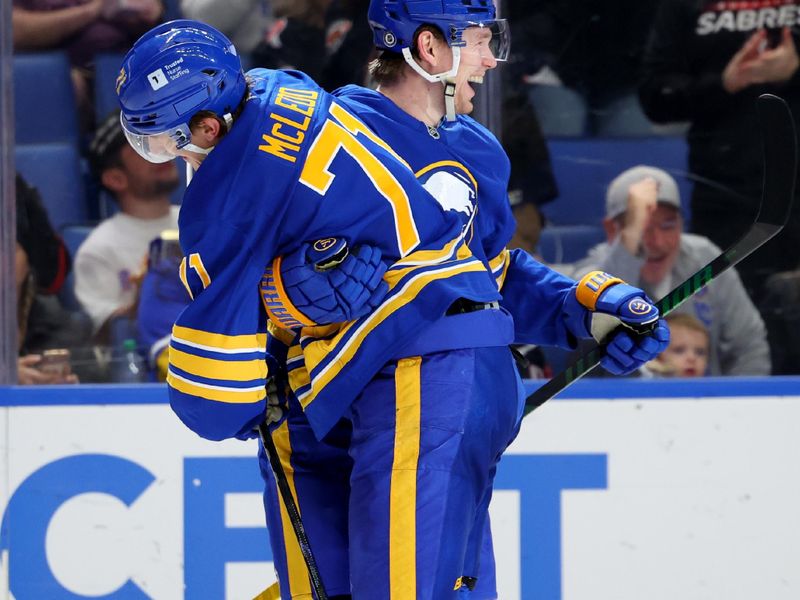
{"x": 216, "y": 393}
{"x": 244, "y": 370}
{"x": 219, "y": 342}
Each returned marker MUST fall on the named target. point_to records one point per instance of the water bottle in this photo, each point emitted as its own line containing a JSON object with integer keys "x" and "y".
{"x": 130, "y": 368}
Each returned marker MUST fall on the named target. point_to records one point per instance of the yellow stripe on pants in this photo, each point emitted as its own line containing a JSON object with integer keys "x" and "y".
{"x": 403, "y": 493}
{"x": 299, "y": 584}
{"x": 271, "y": 593}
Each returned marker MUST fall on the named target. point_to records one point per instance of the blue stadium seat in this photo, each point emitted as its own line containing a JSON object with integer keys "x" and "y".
{"x": 584, "y": 167}
{"x": 73, "y": 236}
{"x": 44, "y": 101}
{"x": 106, "y": 70}
{"x": 54, "y": 169}
{"x": 569, "y": 243}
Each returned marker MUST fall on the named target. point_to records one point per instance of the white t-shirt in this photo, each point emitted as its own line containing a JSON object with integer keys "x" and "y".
{"x": 115, "y": 250}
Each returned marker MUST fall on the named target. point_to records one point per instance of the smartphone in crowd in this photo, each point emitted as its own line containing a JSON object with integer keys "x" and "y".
{"x": 56, "y": 363}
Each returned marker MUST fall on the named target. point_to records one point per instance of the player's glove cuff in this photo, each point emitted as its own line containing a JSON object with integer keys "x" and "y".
{"x": 591, "y": 287}
{"x": 280, "y": 309}
{"x": 601, "y": 302}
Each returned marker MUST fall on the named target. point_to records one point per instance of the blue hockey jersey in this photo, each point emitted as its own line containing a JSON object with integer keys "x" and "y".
{"x": 464, "y": 150}
{"x": 298, "y": 166}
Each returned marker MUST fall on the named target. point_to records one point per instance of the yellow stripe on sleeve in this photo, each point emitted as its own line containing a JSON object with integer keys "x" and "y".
{"x": 216, "y": 393}
{"x": 232, "y": 370}
{"x": 403, "y": 491}
{"x": 298, "y": 378}
{"x": 294, "y": 352}
{"x": 184, "y": 279}
{"x": 498, "y": 260}
{"x": 218, "y": 342}
{"x": 501, "y": 260}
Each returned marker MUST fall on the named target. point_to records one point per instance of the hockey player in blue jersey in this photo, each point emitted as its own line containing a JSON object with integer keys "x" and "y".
{"x": 398, "y": 417}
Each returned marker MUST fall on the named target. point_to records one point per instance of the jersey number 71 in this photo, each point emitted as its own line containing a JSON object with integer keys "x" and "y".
{"x": 340, "y": 134}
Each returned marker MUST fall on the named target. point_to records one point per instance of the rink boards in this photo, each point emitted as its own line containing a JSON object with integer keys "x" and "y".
{"x": 622, "y": 490}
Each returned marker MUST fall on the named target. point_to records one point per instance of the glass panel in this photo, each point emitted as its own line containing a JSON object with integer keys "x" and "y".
{"x": 8, "y": 312}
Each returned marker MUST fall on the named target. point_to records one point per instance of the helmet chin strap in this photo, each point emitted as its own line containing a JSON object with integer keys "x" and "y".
{"x": 197, "y": 149}
{"x": 448, "y": 79}
{"x": 228, "y": 118}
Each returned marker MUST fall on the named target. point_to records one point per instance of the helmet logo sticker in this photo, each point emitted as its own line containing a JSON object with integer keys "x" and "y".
{"x": 157, "y": 79}
{"x": 121, "y": 78}
{"x": 389, "y": 39}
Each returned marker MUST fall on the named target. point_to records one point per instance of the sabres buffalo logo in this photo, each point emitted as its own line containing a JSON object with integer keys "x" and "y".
{"x": 639, "y": 307}
{"x": 452, "y": 185}
{"x": 324, "y": 244}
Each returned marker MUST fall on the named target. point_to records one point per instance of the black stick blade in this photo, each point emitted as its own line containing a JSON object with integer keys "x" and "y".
{"x": 779, "y": 141}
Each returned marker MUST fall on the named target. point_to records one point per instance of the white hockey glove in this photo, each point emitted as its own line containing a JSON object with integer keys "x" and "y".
{"x": 276, "y": 402}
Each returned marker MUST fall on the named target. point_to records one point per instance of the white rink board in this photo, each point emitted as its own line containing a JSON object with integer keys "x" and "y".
{"x": 702, "y": 503}
{"x": 686, "y": 499}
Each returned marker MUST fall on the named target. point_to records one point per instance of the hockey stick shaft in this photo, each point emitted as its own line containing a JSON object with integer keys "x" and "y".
{"x": 780, "y": 167}
{"x": 294, "y": 513}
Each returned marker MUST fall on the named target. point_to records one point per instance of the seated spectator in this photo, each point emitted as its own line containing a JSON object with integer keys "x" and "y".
{"x": 83, "y": 28}
{"x": 163, "y": 297}
{"x": 688, "y": 350}
{"x": 647, "y": 248}
{"x": 108, "y": 262}
{"x": 45, "y": 330}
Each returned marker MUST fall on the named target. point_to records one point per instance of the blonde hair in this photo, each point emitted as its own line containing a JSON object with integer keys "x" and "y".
{"x": 689, "y": 322}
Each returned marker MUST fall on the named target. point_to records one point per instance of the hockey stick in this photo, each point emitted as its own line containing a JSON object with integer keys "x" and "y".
{"x": 293, "y": 511}
{"x": 779, "y": 140}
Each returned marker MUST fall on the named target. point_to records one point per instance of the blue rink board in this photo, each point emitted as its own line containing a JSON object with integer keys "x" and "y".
{"x": 587, "y": 389}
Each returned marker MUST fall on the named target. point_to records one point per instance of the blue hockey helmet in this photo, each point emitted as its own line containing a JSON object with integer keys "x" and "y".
{"x": 173, "y": 71}
{"x": 394, "y": 22}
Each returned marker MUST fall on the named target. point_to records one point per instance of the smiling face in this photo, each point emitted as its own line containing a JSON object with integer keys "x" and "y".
{"x": 476, "y": 60}
{"x": 661, "y": 241}
{"x": 687, "y": 353}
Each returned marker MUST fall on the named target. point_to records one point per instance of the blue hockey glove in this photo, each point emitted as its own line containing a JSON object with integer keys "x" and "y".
{"x": 322, "y": 283}
{"x": 601, "y": 305}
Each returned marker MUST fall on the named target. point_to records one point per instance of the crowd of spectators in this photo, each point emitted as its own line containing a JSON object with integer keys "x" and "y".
{"x": 578, "y": 69}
